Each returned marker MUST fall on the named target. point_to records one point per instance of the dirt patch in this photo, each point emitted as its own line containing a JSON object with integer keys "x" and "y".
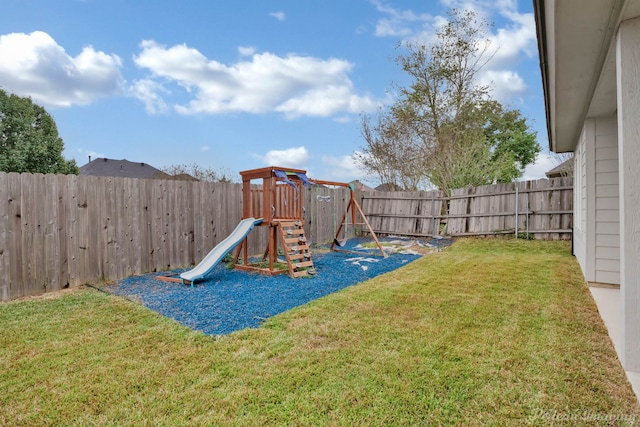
{"x": 47, "y": 296}
{"x": 408, "y": 246}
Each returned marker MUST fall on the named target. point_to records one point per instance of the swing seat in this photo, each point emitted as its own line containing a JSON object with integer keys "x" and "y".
{"x": 340, "y": 243}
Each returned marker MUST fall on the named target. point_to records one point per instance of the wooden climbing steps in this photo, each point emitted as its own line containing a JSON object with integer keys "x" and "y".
{"x": 295, "y": 247}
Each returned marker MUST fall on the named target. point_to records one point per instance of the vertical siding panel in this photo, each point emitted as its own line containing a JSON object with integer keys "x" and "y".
{"x": 567, "y": 223}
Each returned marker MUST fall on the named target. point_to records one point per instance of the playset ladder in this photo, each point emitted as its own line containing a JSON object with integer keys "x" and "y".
{"x": 296, "y": 247}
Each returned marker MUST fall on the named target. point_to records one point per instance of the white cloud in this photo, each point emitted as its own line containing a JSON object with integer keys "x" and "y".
{"x": 398, "y": 23}
{"x": 247, "y": 50}
{"x": 343, "y": 168}
{"x": 513, "y": 39}
{"x": 510, "y": 43}
{"x": 516, "y": 38}
{"x": 294, "y": 157}
{"x": 545, "y": 162}
{"x": 294, "y": 85}
{"x": 483, "y": 7}
{"x": 505, "y": 84}
{"x": 278, "y": 15}
{"x": 326, "y": 101}
{"x": 149, "y": 92}
{"x": 204, "y": 148}
{"x": 35, "y": 65}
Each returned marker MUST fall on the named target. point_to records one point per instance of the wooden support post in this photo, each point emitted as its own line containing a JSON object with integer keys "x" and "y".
{"x": 373, "y": 234}
{"x": 352, "y": 201}
{"x": 272, "y": 246}
{"x": 353, "y": 206}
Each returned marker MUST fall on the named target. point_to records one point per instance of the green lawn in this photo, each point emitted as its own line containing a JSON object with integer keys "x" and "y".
{"x": 489, "y": 332}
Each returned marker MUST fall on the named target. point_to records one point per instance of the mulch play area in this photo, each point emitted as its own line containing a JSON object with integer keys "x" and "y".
{"x": 230, "y": 300}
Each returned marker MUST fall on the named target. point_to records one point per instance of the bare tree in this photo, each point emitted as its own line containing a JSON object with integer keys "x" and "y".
{"x": 444, "y": 126}
{"x": 198, "y": 172}
{"x": 392, "y": 154}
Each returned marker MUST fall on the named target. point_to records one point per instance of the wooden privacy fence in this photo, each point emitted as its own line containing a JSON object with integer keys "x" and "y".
{"x": 542, "y": 209}
{"x": 58, "y": 231}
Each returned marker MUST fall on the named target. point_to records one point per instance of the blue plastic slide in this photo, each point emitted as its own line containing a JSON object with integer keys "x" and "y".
{"x": 215, "y": 256}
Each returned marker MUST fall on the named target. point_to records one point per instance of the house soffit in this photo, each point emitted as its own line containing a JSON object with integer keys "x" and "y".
{"x": 580, "y": 62}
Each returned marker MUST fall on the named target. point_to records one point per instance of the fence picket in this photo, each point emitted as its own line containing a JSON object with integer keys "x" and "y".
{"x": 5, "y": 273}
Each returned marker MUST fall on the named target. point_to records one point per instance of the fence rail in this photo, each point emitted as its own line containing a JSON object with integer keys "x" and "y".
{"x": 59, "y": 231}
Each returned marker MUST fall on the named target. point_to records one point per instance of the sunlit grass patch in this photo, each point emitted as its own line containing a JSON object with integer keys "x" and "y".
{"x": 489, "y": 332}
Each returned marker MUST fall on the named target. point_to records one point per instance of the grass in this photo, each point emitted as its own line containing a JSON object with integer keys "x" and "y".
{"x": 489, "y": 332}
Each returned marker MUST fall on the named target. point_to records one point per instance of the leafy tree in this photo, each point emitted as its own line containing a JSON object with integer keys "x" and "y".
{"x": 29, "y": 140}
{"x": 198, "y": 172}
{"x": 444, "y": 126}
{"x": 508, "y": 132}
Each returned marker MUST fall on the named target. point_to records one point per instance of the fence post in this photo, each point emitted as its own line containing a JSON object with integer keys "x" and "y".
{"x": 433, "y": 215}
{"x": 516, "y": 184}
{"x": 527, "y": 218}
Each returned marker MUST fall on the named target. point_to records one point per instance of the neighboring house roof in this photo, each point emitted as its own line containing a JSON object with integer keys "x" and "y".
{"x": 388, "y": 186}
{"x": 361, "y": 186}
{"x": 122, "y": 168}
{"x": 563, "y": 169}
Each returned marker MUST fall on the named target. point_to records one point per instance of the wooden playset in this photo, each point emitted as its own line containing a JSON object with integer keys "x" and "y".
{"x": 278, "y": 198}
{"x": 276, "y": 202}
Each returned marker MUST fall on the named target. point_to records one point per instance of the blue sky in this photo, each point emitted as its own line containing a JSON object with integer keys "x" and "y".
{"x": 235, "y": 85}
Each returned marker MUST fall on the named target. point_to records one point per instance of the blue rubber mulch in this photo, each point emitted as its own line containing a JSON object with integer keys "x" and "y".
{"x": 230, "y": 300}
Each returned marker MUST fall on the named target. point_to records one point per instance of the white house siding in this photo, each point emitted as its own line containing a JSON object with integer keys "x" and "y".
{"x": 580, "y": 202}
{"x": 607, "y": 202}
{"x": 628, "y": 105}
{"x": 596, "y": 231}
